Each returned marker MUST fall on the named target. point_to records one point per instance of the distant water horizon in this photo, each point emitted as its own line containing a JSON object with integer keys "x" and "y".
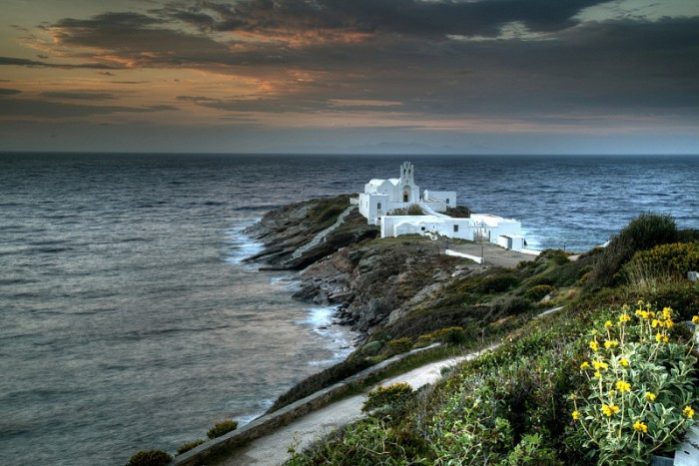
{"x": 130, "y": 320}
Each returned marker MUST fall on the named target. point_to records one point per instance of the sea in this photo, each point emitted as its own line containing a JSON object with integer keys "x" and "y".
{"x": 129, "y": 319}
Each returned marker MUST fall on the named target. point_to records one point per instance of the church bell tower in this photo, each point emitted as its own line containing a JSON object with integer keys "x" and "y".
{"x": 407, "y": 182}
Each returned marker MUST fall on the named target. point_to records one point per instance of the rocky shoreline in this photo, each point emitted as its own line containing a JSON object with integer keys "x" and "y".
{"x": 394, "y": 292}
{"x": 372, "y": 282}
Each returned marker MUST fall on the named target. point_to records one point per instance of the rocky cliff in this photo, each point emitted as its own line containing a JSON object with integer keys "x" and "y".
{"x": 373, "y": 281}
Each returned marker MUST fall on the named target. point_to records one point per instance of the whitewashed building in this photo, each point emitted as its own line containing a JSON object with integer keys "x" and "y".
{"x": 382, "y": 197}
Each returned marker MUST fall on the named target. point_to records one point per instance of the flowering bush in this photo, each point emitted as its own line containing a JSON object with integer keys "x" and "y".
{"x": 640, "y": 392}
{"x": 663, "y": 262}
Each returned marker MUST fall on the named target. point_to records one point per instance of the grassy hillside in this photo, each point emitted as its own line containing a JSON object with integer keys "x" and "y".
{"x": 611, "y": 379}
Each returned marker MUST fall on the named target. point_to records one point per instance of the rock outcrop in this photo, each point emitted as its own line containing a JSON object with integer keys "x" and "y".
{"x": 373, "y": 281}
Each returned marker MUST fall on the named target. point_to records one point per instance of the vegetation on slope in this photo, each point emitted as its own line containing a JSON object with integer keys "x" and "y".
{"x": 547, "y": 396}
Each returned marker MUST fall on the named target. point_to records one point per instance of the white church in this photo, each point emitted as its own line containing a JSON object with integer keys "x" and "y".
{"x": 382, "y": 198}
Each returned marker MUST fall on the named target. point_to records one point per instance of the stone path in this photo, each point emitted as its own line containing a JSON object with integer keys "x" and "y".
{"x": 492, "y": 253}
{"x": 318, "y": 238}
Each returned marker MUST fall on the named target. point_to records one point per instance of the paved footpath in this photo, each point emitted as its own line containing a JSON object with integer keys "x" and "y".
{"x": 272, "y": 449}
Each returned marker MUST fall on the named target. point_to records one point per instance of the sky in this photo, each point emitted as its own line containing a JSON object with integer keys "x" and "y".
{"x": 350, "y": 76}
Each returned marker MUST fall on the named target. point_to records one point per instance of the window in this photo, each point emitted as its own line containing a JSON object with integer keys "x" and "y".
{"x": 456, "y": 228}
{"x": 423, "y": 228}
{"x": 447, "y": 201}
{"x": 378, "y": 205}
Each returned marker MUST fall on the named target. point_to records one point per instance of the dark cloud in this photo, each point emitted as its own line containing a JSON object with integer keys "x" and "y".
{"x": 43, "y": 109}
{"x": 272, "y": 105}
{"x": 109, "y": 20}
{"x": 12, "y": 61}
{"x": 411, "y": 17}
{"x": 78, "y": 95}
{"x": 441, "y": 60}
{"x": 133, "y": 38}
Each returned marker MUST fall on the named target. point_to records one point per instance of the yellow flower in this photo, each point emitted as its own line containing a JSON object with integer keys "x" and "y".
{"x": 594, "y": 346}
{"x": 624, "y": 362}
{"x": 610, "y": 409}
{"x": 655, "y": 323}
{"x": 667, "y": 313}
{"x": 660, "y": 338}
{"x": 600, "y": 365}
{"x": 688, "y": 412}
{"x": 608, "y": 324}
{"x": 576, "y": 415}
{"x": 584, "y": 365}
{"x": 639, "y": 426}
{"x": 598, "y": 375}
{"x": 609, "y": 344}
{"x": 624, "y": 318}
{"x": 650, "y": 396}
{"x": 623, "y": 386}
{"x": 669, "y": 323}
{"x": 695, "y": 320}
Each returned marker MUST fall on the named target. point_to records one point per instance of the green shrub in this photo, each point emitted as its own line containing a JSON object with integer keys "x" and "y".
{"x": 558, "y": 256}
{"x": 391, "y": 398}
{"x": 448, "y": 335}
{"x": 537, "y": 293}
{"x": 498, "y": 283}
{"x": 412, "y": 209}
{"x": 681, "y": 296}
{"x": 460, "y": 211}
{"x": 370, "y": 442}
{"x": 221, "y": 428}
{"x": 398, "y": 346}
{"x": 189, "y": 446}
{"x": 149, "y": 458}
{"x": 372, "y": 348}
{"x": 688, "y": 235}
{"x": 644, "y": 232}
{"x": 513, "y": 305}
{"x": 531, "y": 451}
{"x": 665, "y": 262}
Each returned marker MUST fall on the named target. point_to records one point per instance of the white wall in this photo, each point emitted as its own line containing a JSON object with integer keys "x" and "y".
{"x": 373, "y": 206}
{"x": 500, "y": 231}
{"x": 440, "y": 200}
{"x": 397, "y": 225}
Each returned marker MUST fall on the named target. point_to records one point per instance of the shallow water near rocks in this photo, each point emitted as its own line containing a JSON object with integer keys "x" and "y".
{"x": 130, "y": 321}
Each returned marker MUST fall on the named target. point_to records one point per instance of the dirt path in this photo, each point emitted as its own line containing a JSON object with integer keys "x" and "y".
{"x": 317, "y": 239}
{"x": 272, "y": 449}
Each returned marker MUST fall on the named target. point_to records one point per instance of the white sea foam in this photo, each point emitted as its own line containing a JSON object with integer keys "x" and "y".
{"x": 287, "y": 282}
{"x": 248, "y": 418}
{"x": 339, "y": 338}
{"x": 241, "y": 245}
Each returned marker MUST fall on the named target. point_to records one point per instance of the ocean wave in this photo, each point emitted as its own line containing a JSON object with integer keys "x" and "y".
{"x": 241, "y": 246}
{"x": 339, "y": 338}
